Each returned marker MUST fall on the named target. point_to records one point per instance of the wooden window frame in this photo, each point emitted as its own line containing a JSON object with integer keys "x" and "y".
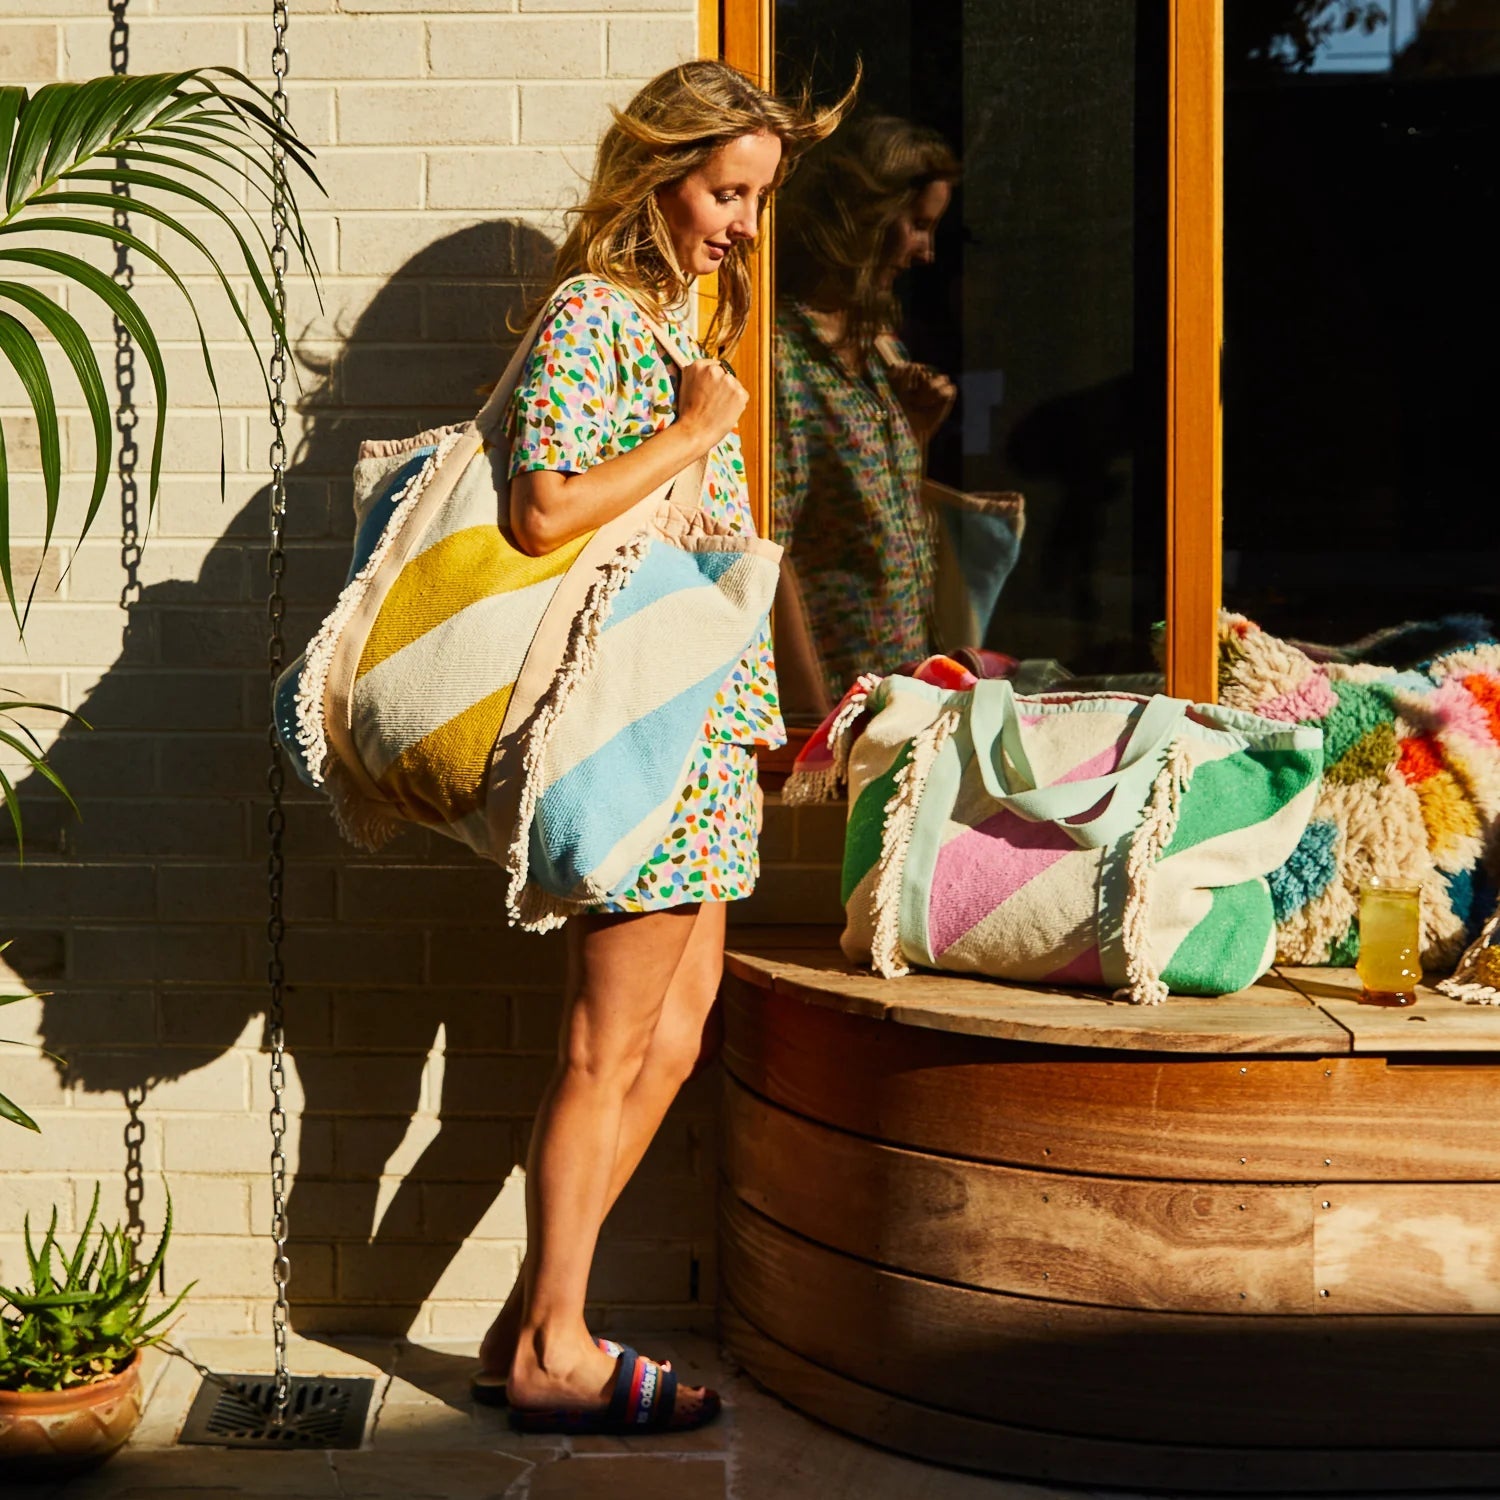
{"x": 741, "y": 32}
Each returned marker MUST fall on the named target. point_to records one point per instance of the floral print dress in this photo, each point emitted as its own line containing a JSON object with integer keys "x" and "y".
{"x": 847, "y": 507}
{"x": 597, "y": 383}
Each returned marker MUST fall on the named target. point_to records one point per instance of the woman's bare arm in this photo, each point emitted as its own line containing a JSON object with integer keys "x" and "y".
{"x": 549, "y": 509}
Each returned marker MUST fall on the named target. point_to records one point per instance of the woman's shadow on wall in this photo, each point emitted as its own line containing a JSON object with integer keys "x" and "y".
{"x": 435, "y": 333}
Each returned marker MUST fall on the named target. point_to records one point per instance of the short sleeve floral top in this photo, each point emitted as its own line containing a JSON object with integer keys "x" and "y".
{"x": 596, "y": 384}
{"x": 848, "y": 481}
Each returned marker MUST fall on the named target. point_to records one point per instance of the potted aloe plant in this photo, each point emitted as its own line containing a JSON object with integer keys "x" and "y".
{"x": 70, "y": 1349}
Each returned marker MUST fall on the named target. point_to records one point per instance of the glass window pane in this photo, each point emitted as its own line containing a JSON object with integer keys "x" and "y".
{"x": 1360, "y": 314}
{"x": 986, "y": 229}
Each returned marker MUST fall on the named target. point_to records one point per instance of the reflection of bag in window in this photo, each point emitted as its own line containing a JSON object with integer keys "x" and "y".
{"x": 978, "y": 541}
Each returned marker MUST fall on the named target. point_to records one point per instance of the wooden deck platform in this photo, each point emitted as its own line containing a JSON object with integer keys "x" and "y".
{"x": 1240, "y": 1244}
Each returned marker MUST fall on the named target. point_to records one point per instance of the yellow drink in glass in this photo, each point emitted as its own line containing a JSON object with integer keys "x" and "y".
{"x": 1390, "y": 942}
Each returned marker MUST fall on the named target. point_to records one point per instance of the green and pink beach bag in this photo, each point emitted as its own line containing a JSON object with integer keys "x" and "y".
{"x": 1071, "y": 839}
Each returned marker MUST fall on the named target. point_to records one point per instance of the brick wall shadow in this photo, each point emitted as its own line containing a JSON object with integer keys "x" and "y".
{"x": 147, "y": 919}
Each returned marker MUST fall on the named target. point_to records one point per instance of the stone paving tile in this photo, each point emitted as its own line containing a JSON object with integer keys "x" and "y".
{"x": 417, "y": 1476}
{"x": 631, "y": 1479}
{"x": 432, "y": 1443}
{"x": 46, "y": 1490}
{"x": 165, "y": 1473}
{"x": 429, "y": 1425}
{"x": 171, "y": 1393}
{"x": 783, "y": 1455}
{"x": 705, "y": 1442}
{"x": 495, "y": 1431}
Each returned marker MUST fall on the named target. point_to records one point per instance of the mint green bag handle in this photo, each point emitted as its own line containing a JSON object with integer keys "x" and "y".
{"x": 995, "y": 724}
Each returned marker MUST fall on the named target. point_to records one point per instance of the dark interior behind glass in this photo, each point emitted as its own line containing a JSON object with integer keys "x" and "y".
{"x": 1361, "y": 316}
{"x": 1046, "y": 301}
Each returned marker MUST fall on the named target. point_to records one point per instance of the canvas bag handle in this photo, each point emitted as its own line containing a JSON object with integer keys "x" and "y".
{"x": 688, "y": 481}
{"x": 995, "y": 725}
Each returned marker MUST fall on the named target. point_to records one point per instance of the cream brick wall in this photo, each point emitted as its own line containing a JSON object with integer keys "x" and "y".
{"x": 450, "y": 133}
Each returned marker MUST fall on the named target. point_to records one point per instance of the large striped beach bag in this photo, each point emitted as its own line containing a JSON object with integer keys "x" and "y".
{"x": 542, "y": 710}
{"x": 1071, "y": 839}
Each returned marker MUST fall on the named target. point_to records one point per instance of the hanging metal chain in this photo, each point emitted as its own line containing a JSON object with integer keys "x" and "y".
{"x": 281, "y": 1269}
{"x": 125, "y": 413}
{"x": 126, "y": 416}
{"x": 127, "y": 455}
{"x": 135, "y": 1174}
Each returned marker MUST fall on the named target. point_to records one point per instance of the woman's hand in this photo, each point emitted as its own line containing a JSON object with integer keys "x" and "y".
{"x": 709, "y": 403}
{"x": 926, "y": 396}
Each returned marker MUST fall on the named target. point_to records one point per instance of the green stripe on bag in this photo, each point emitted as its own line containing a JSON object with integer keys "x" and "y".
{"x": 1240, "y": 791}
{"x": 866, "y": 831}
{"x": 1226, "y": 950}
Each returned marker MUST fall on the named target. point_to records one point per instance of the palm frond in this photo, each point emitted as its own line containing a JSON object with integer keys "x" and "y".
{"x": 35, "y": 758}
{"x": 9, "y": 1110}
{"x": 65, "y": 328}
{"x": 133, "y": 132}
{"x": 18, "y": 345}
{"x": 125, "y": 308}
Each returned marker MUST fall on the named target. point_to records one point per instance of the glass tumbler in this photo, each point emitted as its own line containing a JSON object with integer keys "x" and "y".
{"x": 1390, "y": 941}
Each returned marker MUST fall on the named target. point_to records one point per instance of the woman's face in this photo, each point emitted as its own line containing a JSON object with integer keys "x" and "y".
{"x": 720, "y": 202}
{"x": 911, "y": 237}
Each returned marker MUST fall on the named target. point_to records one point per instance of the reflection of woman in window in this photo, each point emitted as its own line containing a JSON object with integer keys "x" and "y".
{"x": 853, "y": 413}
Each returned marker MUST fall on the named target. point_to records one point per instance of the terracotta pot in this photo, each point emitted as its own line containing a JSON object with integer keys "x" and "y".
{"x": 51, "y": 1434}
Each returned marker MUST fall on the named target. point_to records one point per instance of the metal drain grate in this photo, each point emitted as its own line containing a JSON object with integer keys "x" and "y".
{"x": 325, "y": 1411}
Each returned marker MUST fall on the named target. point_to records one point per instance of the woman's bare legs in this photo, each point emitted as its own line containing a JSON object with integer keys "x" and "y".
{"x": 676, "y": 1045}
{"x": 639, "y": 991}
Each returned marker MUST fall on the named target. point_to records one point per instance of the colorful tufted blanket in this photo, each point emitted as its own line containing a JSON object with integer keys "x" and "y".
{"x": 1411, "y": 784}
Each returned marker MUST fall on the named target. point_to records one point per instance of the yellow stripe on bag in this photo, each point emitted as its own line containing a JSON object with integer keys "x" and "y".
{"x": 467, "y": 566}
{"x": 440, "y": 779}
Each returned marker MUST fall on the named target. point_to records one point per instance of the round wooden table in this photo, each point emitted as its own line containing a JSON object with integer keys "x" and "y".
{"x": 1241, "y": 1244}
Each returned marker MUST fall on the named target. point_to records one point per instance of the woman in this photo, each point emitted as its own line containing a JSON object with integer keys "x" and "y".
{"x": 853, "y": 413}
{"x": 599, "y": 419}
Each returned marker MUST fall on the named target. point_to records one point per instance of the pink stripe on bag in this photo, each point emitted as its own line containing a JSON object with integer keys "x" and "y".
{"x": 986, "y": 865}
{"x": 1086, "y": 968}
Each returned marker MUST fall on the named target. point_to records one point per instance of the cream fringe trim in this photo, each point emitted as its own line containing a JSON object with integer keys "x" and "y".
{"x": 900, "y": 819}
{"x": 1467, "y": 982}
{"x": 808, "y": 788}
{"x": 366, "y": 823}
{"x": 1145, "y": 985}
{"x": 804, "y": 788}
{"x": 312, "y": 686}
{"x": 527, "y": 906}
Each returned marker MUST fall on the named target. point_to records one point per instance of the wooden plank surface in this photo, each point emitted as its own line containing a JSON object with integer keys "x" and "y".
{"x": 1182, "y": 1246}
{"x": 1408, "y": 1247}
{"x": 1118, "y": 1374}
{"x": 1270, "y": 1017}
{"x": 1435, "y": 1023}
{"x": 1184, "y": 1116}
{"x": 1061, "y": 1457}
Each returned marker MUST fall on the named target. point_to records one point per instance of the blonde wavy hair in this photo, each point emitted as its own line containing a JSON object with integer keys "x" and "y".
{"x": 668, "y": 130}
{"x": 838, "y": 217}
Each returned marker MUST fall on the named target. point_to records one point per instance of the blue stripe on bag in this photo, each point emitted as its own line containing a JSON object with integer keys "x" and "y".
{"x": 589, "y": 809}
{"x": 668, "y": 570}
